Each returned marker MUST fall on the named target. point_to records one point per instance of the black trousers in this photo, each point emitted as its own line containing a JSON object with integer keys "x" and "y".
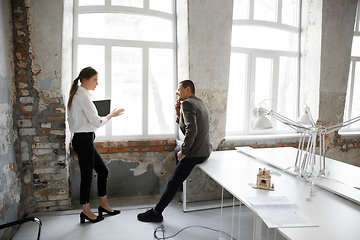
{"x": 182, "y": 171}
{"x": 89, "y": 160}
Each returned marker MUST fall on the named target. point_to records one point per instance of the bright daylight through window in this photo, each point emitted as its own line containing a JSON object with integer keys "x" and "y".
{"x": 264, "y": 63}
{"x": 132, "y": 45}
{"x": 352, "y": 106}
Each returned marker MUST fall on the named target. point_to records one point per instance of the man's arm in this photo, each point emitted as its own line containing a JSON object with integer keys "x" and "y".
{"x": 191, "y": 129}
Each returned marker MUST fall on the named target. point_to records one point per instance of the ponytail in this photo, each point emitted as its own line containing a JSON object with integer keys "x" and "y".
{"x": 74, "y": 88}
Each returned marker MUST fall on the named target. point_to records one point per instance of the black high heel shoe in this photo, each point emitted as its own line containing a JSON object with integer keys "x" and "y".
{"x": 83, "y": 217}
{"x": 101, "y": 210}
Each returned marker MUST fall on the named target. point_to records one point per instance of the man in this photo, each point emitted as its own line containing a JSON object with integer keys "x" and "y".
{"x": 193, "y": 118}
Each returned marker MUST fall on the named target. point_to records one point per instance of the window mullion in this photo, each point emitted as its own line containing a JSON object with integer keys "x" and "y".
{"x": 145, "y": 89}
{"x": 146, "y": 4}
{"x": 351, "y": 90}
{"x": 251, "y": 92}
{"x": 249, "y": 74}
{"x": 251, "y": 10}
{"x": 108, "y": 82}
{"x": 279, "y": 12}
{"x": 357, "y": 19}
{"x": 75, "y": 38}
{"x": 275, "y": 86}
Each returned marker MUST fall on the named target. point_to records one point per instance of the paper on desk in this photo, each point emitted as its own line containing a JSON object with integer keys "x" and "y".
{"x": 279, "y": 212}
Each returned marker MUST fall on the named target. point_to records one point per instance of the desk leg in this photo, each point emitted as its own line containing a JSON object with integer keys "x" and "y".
{"x": 232, "y": 221}
{"x": 239, "y": 219}
{"x": 184, "y": 196}
{"x": 221, "y": 213}
{"x": 257, "y": 227}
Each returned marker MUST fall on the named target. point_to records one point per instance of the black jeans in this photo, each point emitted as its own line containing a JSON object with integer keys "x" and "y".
{"x": 182, "y": 171}
{"x": 89, "y": 160}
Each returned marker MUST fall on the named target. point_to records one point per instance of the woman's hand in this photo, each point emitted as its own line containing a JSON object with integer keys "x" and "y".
{"x": 115, "y": 113}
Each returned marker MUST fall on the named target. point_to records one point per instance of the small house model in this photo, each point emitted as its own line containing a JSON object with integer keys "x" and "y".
{"x": 264, "y": 180}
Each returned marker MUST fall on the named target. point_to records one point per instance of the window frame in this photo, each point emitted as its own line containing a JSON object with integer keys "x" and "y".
{"x": 351, "y": 80}
{"x": 144, "y": 45}
{"x": 251, "y": 53}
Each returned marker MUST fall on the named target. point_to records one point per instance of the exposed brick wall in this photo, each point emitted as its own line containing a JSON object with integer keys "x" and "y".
{"x": 136, "y": 168}
{"x": 346, "y": 144}
{"x": 259, "y": 145}
{"x": 341, "y": 148}
{"x": 41, "y": 133}
{"x": 136, "y": 146}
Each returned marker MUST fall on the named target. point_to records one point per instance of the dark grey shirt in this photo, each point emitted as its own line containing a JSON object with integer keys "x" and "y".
{"x": 194, "y": 123}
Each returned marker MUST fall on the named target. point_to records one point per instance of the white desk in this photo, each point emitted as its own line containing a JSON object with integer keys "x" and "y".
{"x": 338, "y": 218}
{"x": 340, "y": 180}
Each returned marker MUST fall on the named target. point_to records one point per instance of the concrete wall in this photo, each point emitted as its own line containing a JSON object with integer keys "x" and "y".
{"x": 9, "y": 167}
{"x": 337, "y": 34}
{"x": 337, "y": 30}
{"x": 209, "y": 48}
{"x": 210, "y": 24}
{"x": 136, "y": 168}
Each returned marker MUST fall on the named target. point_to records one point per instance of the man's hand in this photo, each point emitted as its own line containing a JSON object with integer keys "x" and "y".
{"x": 177, "y": 106}
{"x": 180, "y": 156}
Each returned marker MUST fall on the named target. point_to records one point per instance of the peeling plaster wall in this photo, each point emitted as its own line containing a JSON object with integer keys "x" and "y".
{"x": 9, "y": 181}
{"x": 209, "y": 48}
{"x": 337, "y": 33}
{"x": 210, "y": 24}
{"x": 39, "y": 112}
{"x": 130, "y": 174}
{"x": 45, "y": 26}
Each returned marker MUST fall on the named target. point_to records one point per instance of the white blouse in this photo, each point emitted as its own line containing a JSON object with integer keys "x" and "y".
{"x": 83, "y": 115}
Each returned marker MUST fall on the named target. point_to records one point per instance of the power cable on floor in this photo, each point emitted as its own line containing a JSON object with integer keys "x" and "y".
{"x": 162, "y": 228}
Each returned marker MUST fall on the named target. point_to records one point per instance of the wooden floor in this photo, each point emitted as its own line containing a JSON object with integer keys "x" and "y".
{"x": 197, "y": 225}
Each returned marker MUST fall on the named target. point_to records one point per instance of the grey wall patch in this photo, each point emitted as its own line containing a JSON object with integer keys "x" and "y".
{"x": 45, "y": 85}
{"x": 11, "y": 186}
{"x": 4, "y": 90}
{"x": 5, "y": 117}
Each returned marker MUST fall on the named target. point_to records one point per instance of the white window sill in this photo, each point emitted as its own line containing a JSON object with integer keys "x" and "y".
{"x": 262, "y": 136}
{"x": 282, "y": 136}
{"x": 350, "y": 134}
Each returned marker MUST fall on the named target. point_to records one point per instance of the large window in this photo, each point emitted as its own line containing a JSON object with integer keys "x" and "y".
{"x": 264, "y": 64}
{"x": 352, "y": 106}
{"x": 132, "y": 44}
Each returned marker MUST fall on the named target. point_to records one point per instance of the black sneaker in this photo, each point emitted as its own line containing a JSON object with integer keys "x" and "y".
{"x": 150, "y": 216}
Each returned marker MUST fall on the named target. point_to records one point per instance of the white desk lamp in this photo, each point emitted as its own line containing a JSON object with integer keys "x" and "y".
{"x": 306, "y": 126}
{"x": 308, "y": 130}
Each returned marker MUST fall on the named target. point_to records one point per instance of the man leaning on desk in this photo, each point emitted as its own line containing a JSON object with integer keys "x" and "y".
{"x": 193, "y": 118}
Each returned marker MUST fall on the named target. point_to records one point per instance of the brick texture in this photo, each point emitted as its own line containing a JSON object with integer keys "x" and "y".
{"x": 43, "y": 171}
{"x": 163, "y": 145}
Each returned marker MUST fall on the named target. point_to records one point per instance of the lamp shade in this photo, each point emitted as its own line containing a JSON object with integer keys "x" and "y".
{"x": 304, "y": 118}
{"x": 260, "y": 121}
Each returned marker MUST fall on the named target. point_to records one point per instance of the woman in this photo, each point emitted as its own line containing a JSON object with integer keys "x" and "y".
{"x": 83, "y": 120}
